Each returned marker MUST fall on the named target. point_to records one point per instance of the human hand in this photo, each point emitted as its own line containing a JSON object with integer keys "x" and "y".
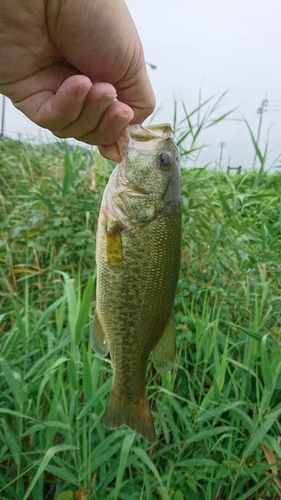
{"x": 64, "y": 63}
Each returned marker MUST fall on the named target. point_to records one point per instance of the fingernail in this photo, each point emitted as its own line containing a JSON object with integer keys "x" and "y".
{"x": 111, "y": 96}
{"x": 105, "y": 101}
{"x": 122, "y": 121}
{"x": 82, "y": 92}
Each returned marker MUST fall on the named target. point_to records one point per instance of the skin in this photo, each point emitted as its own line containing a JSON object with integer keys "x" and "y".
{"x": 64, "y": 63}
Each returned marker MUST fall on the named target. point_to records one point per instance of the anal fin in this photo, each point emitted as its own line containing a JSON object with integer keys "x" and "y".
{"x": 163, "y": 354}
{"x": 99, "y": 343}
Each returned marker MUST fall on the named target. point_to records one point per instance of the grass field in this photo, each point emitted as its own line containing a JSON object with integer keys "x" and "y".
{"x": 217, "y": 414}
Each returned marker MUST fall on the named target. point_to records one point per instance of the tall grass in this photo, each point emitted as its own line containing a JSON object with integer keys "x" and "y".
{"x": 217, "y": 413}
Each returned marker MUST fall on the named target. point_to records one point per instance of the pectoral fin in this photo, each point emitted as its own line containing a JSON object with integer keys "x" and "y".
{"x": 114, "y": 247}
{"x": 99, "y": 343}
{"x": 163, "y": 355}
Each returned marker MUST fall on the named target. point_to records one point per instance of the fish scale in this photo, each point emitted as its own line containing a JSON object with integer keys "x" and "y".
{"x": 137, "y": 273}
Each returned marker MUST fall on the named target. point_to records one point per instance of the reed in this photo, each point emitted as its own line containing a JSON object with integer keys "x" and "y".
{"x": 217, "y": 413}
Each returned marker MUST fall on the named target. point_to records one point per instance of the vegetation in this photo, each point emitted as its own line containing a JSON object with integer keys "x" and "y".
{"x": 217, "y": 414}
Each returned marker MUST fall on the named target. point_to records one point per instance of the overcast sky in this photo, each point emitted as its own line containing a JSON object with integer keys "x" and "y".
{"x": 209, "y": 46}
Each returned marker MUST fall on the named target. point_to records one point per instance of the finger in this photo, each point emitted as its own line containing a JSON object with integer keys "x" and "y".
{"x": 118, "y": 150}
{"x": 104, "y": 130}
{"x": 111, "y": 152}
{"x": 34, "y": 96}
{"x": 61, "y": 110}
{"x": 101, "y": 114}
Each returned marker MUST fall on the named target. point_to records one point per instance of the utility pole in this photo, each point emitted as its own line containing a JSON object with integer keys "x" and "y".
{"x": 221, "y": 145}
{"x": 260, "y": 112}
{"x": 3, "y": 117}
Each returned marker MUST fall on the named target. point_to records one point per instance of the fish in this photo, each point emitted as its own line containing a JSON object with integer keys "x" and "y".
{"x": 138, "y": 247}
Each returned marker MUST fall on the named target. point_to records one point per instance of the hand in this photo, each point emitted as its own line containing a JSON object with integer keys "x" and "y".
{"x": 64, "y": 63}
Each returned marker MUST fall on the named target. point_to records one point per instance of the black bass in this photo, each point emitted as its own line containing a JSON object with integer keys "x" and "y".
{"x": 138, "y": 260}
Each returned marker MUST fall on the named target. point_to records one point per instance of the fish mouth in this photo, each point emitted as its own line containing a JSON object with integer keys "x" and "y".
{"x": 143, "y": 135}
{"x": 151, "y": 132}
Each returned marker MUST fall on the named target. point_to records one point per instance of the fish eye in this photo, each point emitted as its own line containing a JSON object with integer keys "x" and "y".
{"x": 163, "y": 160}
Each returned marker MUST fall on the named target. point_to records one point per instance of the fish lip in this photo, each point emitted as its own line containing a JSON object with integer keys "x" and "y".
{"x": 131, "y": 187}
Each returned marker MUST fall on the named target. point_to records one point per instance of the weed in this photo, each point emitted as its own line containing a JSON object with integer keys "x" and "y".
{"x": 217, "y": 413}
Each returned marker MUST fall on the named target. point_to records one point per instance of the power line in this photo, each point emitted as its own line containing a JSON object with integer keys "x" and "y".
{"x": 214, "y": 42}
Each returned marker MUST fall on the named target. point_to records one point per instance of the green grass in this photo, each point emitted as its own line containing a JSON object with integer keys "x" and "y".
{"x": 217, "y": 414}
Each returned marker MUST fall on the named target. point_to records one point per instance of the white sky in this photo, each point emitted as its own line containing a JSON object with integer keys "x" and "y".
{"x": 209, "y": 46}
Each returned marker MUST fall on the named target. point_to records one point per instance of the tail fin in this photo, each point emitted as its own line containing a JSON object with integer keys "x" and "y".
{"x": 134, "y": 413}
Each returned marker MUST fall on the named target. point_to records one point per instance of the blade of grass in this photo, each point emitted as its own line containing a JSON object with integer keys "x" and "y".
{"x": 124, "y": 453}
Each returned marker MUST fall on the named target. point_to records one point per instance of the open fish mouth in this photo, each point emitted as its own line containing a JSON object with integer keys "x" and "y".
{"x": 143, "y": 136}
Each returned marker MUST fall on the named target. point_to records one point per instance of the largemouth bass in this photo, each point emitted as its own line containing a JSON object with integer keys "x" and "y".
{"x": 138, "y": 259}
